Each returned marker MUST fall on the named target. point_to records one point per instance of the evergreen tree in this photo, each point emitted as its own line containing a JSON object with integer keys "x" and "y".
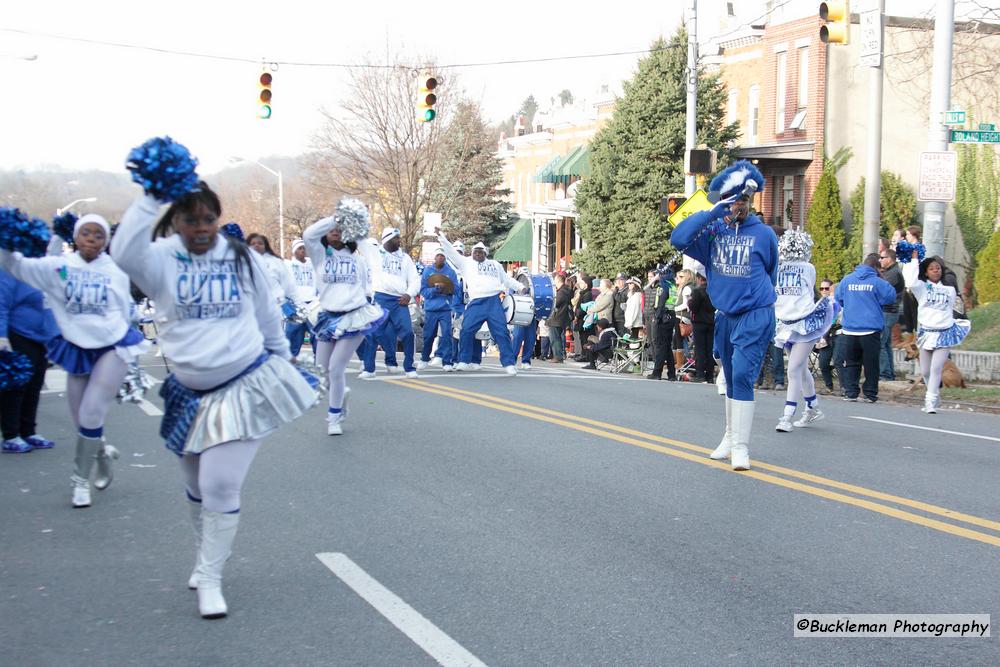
{"x": 898, "y": 209}
{"x": 466, "y": 183}
{"x": 824, "y": 222}
{"x": 987, "y": 279}
{"x": 638, "y": 157}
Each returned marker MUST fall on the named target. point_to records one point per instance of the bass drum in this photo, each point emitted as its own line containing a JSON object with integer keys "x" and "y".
{"x": 543, "y": 293}
{"x": 520, "y": 309}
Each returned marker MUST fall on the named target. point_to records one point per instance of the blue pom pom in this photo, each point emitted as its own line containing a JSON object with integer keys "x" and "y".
{"x": 15, "y": 370}
{"x": 904, "y": 251}
{"x": 164, "y": 169}
{"x": 233, "y": 231}
{"x": 22, "y": 233}
{"x": 63, "y": 225}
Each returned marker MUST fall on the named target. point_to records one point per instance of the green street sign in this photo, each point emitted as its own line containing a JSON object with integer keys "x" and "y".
{"x": 974, "y": 137}
{"x": 987, "y": 127}
{"x": 954, "y": 118}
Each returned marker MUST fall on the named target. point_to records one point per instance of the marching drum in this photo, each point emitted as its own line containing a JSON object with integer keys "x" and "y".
{"x": 542, "y": 292}
{"x": 520, "y": 309}
{"x": 482, "y": 334}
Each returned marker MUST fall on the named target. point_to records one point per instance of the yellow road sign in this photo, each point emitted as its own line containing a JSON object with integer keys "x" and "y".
{"x": 696, "y": 202}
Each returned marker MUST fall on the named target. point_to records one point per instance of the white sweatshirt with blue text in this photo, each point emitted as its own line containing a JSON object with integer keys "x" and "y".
{"x": 342, "y": 275}
{"x": 392, "y": 272}
{"x": 482, "y": 279}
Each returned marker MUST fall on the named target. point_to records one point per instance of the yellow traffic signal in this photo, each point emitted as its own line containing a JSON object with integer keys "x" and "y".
{"x": 264, "y": 95}
{"x": 426, "y": 97}
{"x": 837, "y": 15}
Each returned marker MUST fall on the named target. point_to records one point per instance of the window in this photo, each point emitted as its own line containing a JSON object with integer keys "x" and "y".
{"x": 799, "y": 122}
{"x": 803, "y": 78}
{"x": 788, "y": 202}
{"x": 780, "y": 90}
{"x": 731, "y": 110}
{"x": 730, "y": 11}
{"x": 753, "y": 117}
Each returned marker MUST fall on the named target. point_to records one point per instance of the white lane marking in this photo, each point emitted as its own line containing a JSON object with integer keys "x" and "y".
{"x": 928, "y": 428}
{"x": 445, "y": 650}
{"x": 149, "y": 408}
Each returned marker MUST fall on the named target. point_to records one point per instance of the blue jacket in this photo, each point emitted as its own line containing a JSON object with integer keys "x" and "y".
{"x": 741, "y": 263}
{"x": 434, "y": 300}
{"x": 23, "y": 311}
{"x": 862, "y": 295}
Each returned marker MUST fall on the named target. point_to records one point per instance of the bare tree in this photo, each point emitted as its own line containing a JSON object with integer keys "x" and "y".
{"x": 377, "y": 150}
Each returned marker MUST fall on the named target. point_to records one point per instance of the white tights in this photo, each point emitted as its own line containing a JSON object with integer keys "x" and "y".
{"x": 931, "y": 365}
{"x": 800, "y": 380}
{"x": 91, "y": 396}
{"x": 334, "y": 356}
{"x": 216, "y": 476}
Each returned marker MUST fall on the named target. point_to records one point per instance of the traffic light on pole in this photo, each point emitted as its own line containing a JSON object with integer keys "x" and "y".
{"x": 837, "y": 15}
{"x": 426, "y": 97}
{"x": 264, "y": 96}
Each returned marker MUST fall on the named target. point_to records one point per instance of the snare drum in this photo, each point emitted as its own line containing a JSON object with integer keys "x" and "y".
{"x": 520, "y": 309}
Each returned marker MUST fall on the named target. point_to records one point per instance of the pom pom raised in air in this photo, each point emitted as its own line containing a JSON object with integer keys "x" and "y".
{"x": 352, "y": 219}
{"x": 164, "y": 168}
{"x": 21, "y": 233}
{"x": 63, "y": 224}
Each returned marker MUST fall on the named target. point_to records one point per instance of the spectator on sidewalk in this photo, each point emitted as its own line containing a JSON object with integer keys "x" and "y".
{"x": 891, "y": 273}
{"x": 602, "y": 348}
{"x": 703, "y": 321}
{"x": 620, "y": 293}
{"x": 633, "y": 308}
{"x": 559, "y": 319}
{"x": 649, "y": 307}
{"x": 604, "y": 304}
{"x": 862, "y": 295}
{"x": 583, "y": 296}
{"x": 831, "y": 353}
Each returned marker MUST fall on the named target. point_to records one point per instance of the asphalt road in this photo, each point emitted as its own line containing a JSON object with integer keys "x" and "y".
{"x": 559, "y": 517}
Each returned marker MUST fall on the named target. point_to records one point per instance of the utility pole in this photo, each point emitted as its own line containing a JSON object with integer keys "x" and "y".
{"x": 692, "y": 87}
{"x": 873, "y": 166}
{"x": 938, "y": 135}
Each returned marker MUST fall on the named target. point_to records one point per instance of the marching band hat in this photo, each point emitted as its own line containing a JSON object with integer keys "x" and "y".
{"x": 389, "y": 233}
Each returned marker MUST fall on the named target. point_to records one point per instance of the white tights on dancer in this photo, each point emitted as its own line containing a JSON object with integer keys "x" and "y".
{"x": 931, "y": 365}
{"x": 216, "y": 475}
{"x": 800, "y": 380}
{"x": 334, "y": 356}
{"x": 91, "y": 396}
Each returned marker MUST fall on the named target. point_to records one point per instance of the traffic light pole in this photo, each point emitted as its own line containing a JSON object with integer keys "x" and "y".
{"x": 692, "y": 87}
{"x": 938, "y": 136}
{"x": 873, "y": 168}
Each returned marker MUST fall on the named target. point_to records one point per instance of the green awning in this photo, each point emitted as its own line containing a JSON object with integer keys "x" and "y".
{"x": 517, "y": 246}
{"x": 545, "y": 174}
{"x": 576, "y": 163}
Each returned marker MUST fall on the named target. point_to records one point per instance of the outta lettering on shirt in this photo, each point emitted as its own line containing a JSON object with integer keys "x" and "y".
{"x": 488, "y": 268}
{"x": 302, "y": 273}
{"x": 731, "y": 255}
{"x": 789, "y": 280}
{"x": 86, "y": 291}
{"x": 207, "y": 289}
{"x": 392, "y": 264}
{"x": 341, "y": 269}
{"x": 936, "y": 298}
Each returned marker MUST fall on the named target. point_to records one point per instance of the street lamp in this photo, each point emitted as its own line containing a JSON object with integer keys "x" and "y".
{"x": 281, "y": 200}
{"x": 63, "y": 209}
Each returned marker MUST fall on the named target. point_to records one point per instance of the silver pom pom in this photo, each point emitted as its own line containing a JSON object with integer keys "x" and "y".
{"x": 352, "y": 219}
{"x": 795, "y": 245}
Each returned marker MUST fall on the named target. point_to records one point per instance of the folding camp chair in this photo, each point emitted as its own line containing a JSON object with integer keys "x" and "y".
{"x": 628, "y": 355}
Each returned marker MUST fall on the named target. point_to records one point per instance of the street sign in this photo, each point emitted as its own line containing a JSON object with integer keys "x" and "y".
{"x": 953, "y": 118}
{"x": 987, "y": 127}
{"x": 974, "y": 137}
{"x": 938, "y": 171}
{"x": 696, "y": 202}
{"x": 871, "y": 38}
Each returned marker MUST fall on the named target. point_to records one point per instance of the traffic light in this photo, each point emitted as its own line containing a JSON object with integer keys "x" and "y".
{"x": 837, "y": 15}
{"x": 671, "y": 203}
{"x": 426, "y": 97}
{"x": 264, "y": 95}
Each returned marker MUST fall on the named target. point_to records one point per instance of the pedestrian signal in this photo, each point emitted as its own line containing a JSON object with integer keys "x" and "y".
{"x": 426, "y": 97}
{"x": 837, "y": 16}
{"x": 671, "y": 203}
{"x": 264, "y": 96}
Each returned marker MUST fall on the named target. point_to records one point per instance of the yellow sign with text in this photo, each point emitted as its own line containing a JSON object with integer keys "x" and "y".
{"x": 696, "y": 202}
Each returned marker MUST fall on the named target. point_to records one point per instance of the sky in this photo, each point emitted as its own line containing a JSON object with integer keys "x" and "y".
{"x": 83, "y": 106}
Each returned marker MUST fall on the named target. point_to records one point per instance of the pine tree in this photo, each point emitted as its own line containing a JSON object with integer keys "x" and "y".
{"x": 824, "y": 222}
{"x": 638, "y": 157}
{"x": 466, "y": 187}
{"x": 898, "y": 209}
{"x": 987, "y": 280}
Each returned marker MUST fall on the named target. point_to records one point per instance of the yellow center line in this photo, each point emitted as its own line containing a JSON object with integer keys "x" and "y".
{"x": 495, "y": 403}
{"x": 790, "y": 472}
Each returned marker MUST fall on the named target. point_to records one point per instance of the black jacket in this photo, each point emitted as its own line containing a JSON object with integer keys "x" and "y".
{"x": 894, "y": 276}
{"x": 586, "y": 296}
{"x": 700, "y": 306}
{"x": 618, "y": 311}
{"x": 560, "y": 309}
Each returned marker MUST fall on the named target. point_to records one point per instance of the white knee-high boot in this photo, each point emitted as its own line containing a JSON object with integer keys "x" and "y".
{"x": 194, "y": 508}
{"x": 725, "y": 447}
{"x": 742, "y": 425}
{"x": 86, "y": 457}
{"x": 218, "y": 531}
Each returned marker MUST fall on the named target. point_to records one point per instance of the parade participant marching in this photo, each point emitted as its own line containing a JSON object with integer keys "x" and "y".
{"x": 485, "y": 279}
{"x": 938, "y": 331}
{"x": 304, "y": 279}
{"x": 523, "y": 340}
{"x": 283, "y": 288}
{"x": 396, "y": 283}
{"x": 439, "y": 297}
{"x": 346, "y": 315}
{"x": 801, "y": 324}
{"x": 740, "y": 255}
{"x": 231, "y": 384}
{"x": 91, "y": 300}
